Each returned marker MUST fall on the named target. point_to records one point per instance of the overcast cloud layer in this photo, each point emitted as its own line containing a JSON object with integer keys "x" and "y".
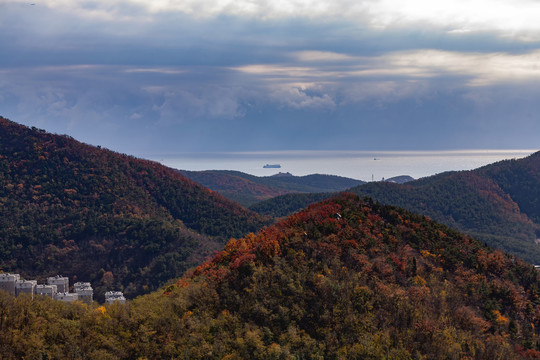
{"x": 194, "y": 75}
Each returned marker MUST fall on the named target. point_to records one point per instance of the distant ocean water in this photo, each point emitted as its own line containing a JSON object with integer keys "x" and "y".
{"x": 361, "y": 165}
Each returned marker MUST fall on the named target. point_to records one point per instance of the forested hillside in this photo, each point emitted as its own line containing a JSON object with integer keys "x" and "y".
{"x": 249, "y": 189}
{"x": 104, "y": 217}
{"x": 498, "y": 203}
{"x": 344, "y": 279}
{"x": 520, "y": 179}
{"x": 474, "y": 202}
{"x": 284, "y": 205}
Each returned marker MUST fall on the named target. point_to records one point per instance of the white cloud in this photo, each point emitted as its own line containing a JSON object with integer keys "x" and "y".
{"x": 250, "y": 8}
{"x": 318, "y": 56}
{"x": 477, "y": 68}
{"x": 506, "y": 16}
{"x": 481, "y": 68}
{"x": 276, "y": 70}
{"x": 298, "y": 98}
{"x": 517, "y": 19}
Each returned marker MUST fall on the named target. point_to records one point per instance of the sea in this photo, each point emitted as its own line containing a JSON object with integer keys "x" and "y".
{"x": 361, "y": 165}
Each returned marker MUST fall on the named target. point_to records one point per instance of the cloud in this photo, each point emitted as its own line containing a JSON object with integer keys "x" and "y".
{"x": 516, "y": 19}
{"x": 161, "y": 71}
{"x": 389, "y": 77}
{"x": 508, "y": 18}
{"x": 302, "y": 98}
{"x": 179, "y": 104}
{"x": 321, "y": 56}
{"x": 196, "y": 66}
{"x": 312, "y": 80}
{"x": 482, "y": 68}
{"x": 85, "y": 92}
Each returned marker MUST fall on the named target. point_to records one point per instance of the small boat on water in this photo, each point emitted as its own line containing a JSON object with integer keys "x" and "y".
{"x": 272, "y": 166}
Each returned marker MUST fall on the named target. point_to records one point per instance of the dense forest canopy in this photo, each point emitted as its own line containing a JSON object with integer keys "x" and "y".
{"x": 343, "y": 279}
{"x": 96, "y": 215}
{"x": 498, "y": 203}
{"x": 249, "y": 189}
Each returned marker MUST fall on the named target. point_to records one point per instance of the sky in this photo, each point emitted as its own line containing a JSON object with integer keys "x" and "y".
{"x": 170, "y": 76}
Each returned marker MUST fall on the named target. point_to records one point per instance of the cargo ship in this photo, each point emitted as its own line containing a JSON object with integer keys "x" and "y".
{"x": 272, "y": 166}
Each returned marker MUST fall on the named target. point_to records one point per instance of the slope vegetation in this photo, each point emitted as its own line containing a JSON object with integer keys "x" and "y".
{"x": 498, "y": 203}
{"x": 114, "y": 220}
{"x": 249, "y": 189}
{"x": 284, "y": 205}
{"x": 344, "y": 279}
{"x": 485, "y": 206}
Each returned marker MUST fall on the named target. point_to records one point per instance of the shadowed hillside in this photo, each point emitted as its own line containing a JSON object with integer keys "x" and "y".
{"x": 108, "y": 218}
{"x": 284, "y": 205}
{"x": 486, "y": 206}
{"x": 248, "y": 189}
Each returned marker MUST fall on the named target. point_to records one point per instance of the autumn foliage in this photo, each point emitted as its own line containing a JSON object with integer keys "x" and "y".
{"x": 344, "y": 279}
{"x": 78, "y": 210}
{"x": 498, "y": 203}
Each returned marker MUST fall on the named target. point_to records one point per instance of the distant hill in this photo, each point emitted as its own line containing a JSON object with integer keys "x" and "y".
{"x": 285, "y": 205}
{"x": 104, "y": 217}
{"x": 248, "y": 189}
{"x": 498, "y": 203}
{"x": 343, "y": 279}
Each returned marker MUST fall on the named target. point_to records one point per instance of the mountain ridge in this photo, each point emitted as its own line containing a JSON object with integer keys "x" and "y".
{"x": 249, "y": 189}
{"x": 497, "y": 203}
{"x": 104, "y": 217}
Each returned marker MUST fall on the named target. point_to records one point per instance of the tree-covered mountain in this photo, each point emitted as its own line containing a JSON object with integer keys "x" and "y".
{"x": 104, "y": 217}
{"x": 343, "y": 279}
{"x": 285, "y": 205}
{"x": 498, "y": 203}
{"x": 249, "y": 189}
